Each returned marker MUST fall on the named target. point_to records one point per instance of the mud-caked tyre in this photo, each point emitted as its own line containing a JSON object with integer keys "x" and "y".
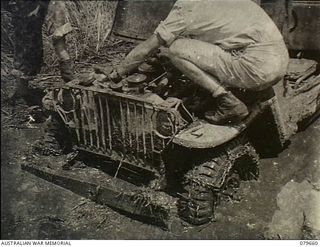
{"x": 219, "y": 172}
{"x": 196, "y": 205}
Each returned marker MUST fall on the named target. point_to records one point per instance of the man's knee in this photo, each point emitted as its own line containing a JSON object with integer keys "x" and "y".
{"x": 177, "y": 48}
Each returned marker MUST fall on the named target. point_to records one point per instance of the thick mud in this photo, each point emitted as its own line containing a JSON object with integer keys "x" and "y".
{"x": 32, "y": 208}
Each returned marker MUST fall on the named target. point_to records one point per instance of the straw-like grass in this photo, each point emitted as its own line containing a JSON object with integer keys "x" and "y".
{"x": 6, "y": 51}
{"x": 6, "y": 32}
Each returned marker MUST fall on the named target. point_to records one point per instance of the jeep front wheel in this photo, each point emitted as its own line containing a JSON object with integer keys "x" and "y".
{"x": 197, "y": 204}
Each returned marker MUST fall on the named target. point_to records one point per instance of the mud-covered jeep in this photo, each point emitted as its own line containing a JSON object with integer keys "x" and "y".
{"x": 152, "y": 126}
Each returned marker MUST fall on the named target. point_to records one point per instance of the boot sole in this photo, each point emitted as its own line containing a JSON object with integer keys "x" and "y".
{"x": 228, "y": 121}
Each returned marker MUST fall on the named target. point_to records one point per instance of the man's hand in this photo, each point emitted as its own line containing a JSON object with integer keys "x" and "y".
{"x": 103, "y": 69}
{"x": 114, "y": 76}
{"x": 108, "y": 71}
{"x": 163, "y": 52}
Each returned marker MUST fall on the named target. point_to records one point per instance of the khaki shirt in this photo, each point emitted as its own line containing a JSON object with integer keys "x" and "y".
{"x": 231, "y": 24}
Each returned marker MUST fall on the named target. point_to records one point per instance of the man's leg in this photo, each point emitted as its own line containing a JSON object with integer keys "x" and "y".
{"x": 28, "y": 47}
{"x": 59, "y": 28}
{"x": 195, "y": 58}
{"x": 202, "y": 78}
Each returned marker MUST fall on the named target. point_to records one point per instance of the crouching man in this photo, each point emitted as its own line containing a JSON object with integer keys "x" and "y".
{"x": 218, "y": 45}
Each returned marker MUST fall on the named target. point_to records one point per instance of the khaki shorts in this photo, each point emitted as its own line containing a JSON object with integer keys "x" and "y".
{"x": 57, "y": 18}
{"x": 255, "y": 68}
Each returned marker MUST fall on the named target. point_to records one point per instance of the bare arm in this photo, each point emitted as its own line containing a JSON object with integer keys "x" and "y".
{"x": 138, "y": 55}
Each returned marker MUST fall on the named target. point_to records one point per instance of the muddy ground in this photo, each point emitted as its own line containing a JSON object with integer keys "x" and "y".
{"x": 282, "y": 204}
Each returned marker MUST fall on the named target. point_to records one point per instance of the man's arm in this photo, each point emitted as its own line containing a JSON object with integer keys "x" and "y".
{"x": 165, "y": 34}
{"x": 138, "y": 55}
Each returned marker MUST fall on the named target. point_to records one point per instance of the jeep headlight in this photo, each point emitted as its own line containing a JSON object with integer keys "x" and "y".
{"x": 165, "y": 123}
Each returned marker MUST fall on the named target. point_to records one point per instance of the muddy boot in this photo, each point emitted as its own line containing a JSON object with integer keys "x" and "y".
{"x": 49, "y": 143}
{"x": 23, "y": 89}
{"x": 67, "y": 70}
{"x": 21, "y": 92}
{"x": 230, "y": 110}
